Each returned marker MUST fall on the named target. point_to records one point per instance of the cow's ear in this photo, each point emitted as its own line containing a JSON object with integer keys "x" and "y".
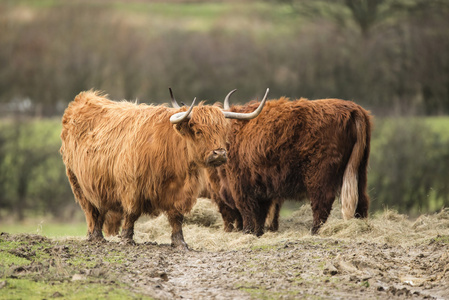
{"x": 182, "y": 128}
{"x": 178, "y": 128}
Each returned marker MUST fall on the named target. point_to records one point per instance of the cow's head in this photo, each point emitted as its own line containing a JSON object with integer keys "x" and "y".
{"x": 205, "y": 128}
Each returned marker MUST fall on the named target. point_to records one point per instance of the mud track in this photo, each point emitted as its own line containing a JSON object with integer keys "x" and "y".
{"x": 312, "y": 267}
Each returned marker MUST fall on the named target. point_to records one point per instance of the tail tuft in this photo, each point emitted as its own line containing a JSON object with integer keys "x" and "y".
{"x": 349, "y": 190}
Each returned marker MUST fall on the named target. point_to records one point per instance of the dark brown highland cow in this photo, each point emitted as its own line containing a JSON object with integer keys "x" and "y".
{"x": 125, "y": 159}
{"x": 294, "y": 149}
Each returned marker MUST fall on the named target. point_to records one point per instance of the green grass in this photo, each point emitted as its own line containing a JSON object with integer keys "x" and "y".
{"x": 34, "y": 3}
{"x": 54, "y": 283}
{"x": 439, "y": 125}
{"x": 48, "y": 229}
{"x": 29, "y": 289}
{"x": 289, "y": 207}
{"x": 114, "y": 257}
{"x": 176, "y": 10}
{"x": 34, "y": 252}
{"x": 442, "y": 239}
{"x": 259, "y": 17}
{"x": 8, "y": 259}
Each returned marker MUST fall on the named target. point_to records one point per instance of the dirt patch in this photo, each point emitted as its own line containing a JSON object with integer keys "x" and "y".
{"x": 387, "y": 256}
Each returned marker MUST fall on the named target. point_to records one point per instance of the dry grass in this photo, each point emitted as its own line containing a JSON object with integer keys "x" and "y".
{"x": 203, "y": 229}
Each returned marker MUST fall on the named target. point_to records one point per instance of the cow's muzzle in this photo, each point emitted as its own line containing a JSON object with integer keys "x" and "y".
{"x": 217, "y": 157}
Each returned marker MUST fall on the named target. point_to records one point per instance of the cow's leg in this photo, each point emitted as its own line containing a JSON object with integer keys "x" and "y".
{"x": 229, "y": 211}
{"x": 238, "y": 220}
{"x": 273, "y": 216}
{"x": 363, "y": 201}
{"x": 248, "y": 221}
{"x": 94, "y": 218}
{"x": 249, "y": 209}
{"x": 112, "y": 222}
{"x": 128, "y": 227}
{"x": 321, "y": 201}
{"x": 229, "y": 215}
{"x": 177, "y": 238}
{"x": 362, "y": 205}
{"x": 97, "y": 233}
{"x": 248, "y": 224}
{"x": 261, "y": 216}
{"x": 322, "y": 183}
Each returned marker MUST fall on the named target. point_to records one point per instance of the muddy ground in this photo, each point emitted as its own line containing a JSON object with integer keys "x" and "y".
{"x": 385, "y": 257}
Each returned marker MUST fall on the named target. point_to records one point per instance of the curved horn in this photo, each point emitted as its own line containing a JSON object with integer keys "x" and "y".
{"x": 247, "y": 116}
{"x": 173, "y": 100}
{"x": 226, "y": 105}
{"x": 181, "y": 116}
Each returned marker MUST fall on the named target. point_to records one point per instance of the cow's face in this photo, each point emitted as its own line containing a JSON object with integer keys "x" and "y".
{"x": 205, "y": 129}
{"x": 206, "y": 134}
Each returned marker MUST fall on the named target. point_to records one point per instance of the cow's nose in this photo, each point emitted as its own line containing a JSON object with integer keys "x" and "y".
{"x": 217, "y": 157}
{"x": 220, "y": 153}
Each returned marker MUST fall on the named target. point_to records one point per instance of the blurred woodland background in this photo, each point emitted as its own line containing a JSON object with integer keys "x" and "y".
{"x": 390, "y": 56}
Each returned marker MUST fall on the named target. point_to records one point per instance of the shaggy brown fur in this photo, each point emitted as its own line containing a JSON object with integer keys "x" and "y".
{"x": 127, "y": 159}
{"x": 294, "y": 149}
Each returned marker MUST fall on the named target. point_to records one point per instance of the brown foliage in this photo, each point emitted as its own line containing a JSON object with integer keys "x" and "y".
{"x": 49, "y": 55}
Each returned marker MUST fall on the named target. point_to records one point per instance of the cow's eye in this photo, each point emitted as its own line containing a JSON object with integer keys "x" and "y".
{"x": 198, "y": 133}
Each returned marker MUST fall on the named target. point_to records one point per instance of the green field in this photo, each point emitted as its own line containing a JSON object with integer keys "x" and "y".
{"x": 440, "y": 125}
{"x": 45, "y": 228}
{"x": 258, "y": 17}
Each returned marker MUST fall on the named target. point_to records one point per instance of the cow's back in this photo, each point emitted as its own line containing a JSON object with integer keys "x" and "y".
{"x": 114, "y": 149}
{"x": 274, "y": 153}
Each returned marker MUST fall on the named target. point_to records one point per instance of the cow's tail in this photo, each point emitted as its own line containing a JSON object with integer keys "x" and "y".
{"x": 350, "y": 187}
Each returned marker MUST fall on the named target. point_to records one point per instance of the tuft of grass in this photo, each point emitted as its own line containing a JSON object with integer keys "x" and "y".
{"x": 7, "y": 259}
{"x": 264, "y": 247}
{"x": 114, "y": 257}
{"x": 442, "y": 239}
{"x": 14, "y": 254}
{"x": 85, "y": 262}
{"x": 34, "y": 251}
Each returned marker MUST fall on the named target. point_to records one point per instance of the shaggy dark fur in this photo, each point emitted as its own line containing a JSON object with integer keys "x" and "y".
{"x": 294, "y": 149}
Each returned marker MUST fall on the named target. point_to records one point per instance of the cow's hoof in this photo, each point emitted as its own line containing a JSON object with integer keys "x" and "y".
{"x": 273, "y": 228}
{"x": 314, "y": 230}
{"x": 248, "y": 231}
{"x": 127, "y": 242}
{"x": 96, "y": 238}
{"x": 259, "y": 233}
{"x": 180, "y": 246}
{"x": 229, "y": 228}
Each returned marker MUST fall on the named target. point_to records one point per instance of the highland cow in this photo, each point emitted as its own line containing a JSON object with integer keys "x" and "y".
{"x": 295, "y": 149}
{"x": 124, "y": 160}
